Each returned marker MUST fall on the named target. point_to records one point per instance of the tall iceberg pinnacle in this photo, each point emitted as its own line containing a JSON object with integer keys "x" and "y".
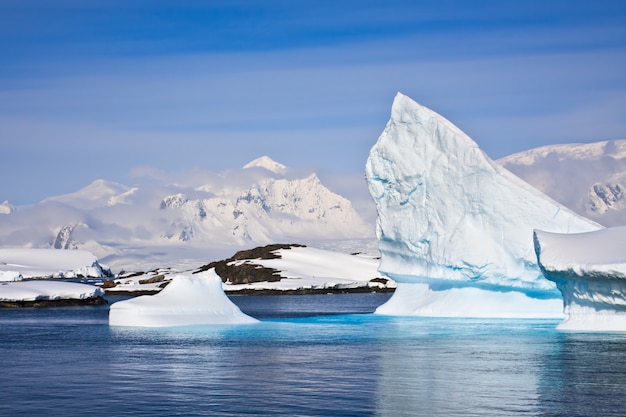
{"x": 455, "y": 229}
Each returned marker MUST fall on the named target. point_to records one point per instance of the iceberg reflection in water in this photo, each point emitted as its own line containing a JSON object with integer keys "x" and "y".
{"x": 69, "y": 361}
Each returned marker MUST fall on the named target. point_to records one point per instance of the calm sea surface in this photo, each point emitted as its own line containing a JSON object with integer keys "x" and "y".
{"x": 317, "y": 355}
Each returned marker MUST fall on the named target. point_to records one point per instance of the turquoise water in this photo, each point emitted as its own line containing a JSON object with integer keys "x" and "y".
{"x": 318, "y": 355}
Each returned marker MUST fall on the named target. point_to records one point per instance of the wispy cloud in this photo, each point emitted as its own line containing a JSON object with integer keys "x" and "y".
{"x": 310, "y": 86}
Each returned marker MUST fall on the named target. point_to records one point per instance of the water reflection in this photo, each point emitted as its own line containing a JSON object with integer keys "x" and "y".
{"x": 584, "y": 375}
{"x": 338, "y": 365}
{"x": 460, "y": 368}
{"x": 300, "y": 367}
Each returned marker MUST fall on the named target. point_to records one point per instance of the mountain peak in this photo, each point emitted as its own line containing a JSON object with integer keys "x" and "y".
{"x": 6, "y": 208}
{"x": 96, "y": 194}
{"x": 267, "y": 163}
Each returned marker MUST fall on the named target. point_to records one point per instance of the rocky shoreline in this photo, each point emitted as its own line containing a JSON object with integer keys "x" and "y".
{"x": 266, "y": 291}
{"x": 63, "y": 302}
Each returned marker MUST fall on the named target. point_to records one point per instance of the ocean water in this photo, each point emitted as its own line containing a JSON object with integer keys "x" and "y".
{"x": 316, "y": 355}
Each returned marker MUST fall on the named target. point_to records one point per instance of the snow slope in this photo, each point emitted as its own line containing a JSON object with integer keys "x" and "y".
{"x": 454, "y": 225}
{"x": 49, "y": 263}
{"x": 590, "y": 178}
{"x": 312, "y": 268}
{"x": 47, "y": 290}
{"x": 187, "y": 300}
{"x": 297, "y": 268}
{"x": 590, "y": 271}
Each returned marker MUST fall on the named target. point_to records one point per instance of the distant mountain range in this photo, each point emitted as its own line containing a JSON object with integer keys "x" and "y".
{"x": 589, "y": 179}
{"x": 165, "y": 224}
{"x": 264, "y": 202}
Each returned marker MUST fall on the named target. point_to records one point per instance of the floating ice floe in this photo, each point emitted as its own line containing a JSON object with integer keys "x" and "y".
{"x": 187, "y": 300}
{"x": 590, "y": 271}
{"x": 455, "y": 229}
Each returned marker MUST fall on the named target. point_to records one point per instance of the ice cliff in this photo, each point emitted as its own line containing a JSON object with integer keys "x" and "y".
{"x": 455, "y": 229}
{"x": 590, "y": 271}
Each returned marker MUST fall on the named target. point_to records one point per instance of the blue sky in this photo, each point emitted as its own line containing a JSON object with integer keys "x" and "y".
{"x": 116, "y": 89}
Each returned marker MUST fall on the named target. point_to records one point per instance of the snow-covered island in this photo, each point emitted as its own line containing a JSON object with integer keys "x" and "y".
{"x": 49, "y": 293}
{"x": 17, "y": 263}
{"x": 274, "y": 269}
{"x": 270, "y": 269}
{"x": 31, "y": 278}
{"x": 455, "y": 229}
{"x": 590, "y": 271}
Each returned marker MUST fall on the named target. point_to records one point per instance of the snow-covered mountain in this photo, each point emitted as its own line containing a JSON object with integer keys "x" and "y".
{"x": 267, "y": 163}
{"x": 262, "y": 203}
{"x": 587, "y": 178}
{"x": 6, "y": 208}
{"x": 97, "y": 194}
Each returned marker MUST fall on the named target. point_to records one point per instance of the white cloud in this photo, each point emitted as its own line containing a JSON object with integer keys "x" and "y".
{"x": 321, "y": 107}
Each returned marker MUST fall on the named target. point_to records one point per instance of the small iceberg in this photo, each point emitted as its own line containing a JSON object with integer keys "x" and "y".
{"x": 187, "y": 300}
{"x": 590, "y": 271}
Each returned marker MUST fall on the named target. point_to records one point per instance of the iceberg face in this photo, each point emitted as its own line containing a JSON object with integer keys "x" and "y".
{"x": 590, "y": 271}
{"x": 441, "y": 300}
{"x": 447, "y": 214}
{"x": 187, "y": 300}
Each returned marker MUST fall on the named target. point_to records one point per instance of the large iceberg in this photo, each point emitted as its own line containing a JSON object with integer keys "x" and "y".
{"x": 590, "y": 271}
{"x": 187, "y": 300}
{"x": 455, "y": 229}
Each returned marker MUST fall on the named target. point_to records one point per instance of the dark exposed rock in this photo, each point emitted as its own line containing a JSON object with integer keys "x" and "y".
{"x": 309, "y": 291}
{"x": 247, "y": 271}
{"x": 124, "y": 274}
{"x": 65, "y": 302}
{"x": 153, "y": 280}
{"x": 109, "y": 283}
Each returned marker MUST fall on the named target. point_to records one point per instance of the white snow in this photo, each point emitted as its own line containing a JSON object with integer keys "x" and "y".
{"x": 187, "y": 300}
{"x": 589, "y": 178}
{"x": 97, "y": 194}
{"x": 198, "y": 214}
{"x": 47, "y": 290}
{"x": 590, "y": 271}
{"x": 312, "y": 268}
{"x": 267, "y": 163}
{"x": 16, "y": 264}
{"x": 302, "y": 268}
{"x": 7, "y": 276}
{"x": 452, "y": 219}
{"x": 49, "y": 263}
{"x": 6, "y": 208}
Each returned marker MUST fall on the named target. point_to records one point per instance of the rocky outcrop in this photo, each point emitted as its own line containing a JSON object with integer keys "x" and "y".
{"x": 67, "y": 302}
{"x": 240, "y": 269}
